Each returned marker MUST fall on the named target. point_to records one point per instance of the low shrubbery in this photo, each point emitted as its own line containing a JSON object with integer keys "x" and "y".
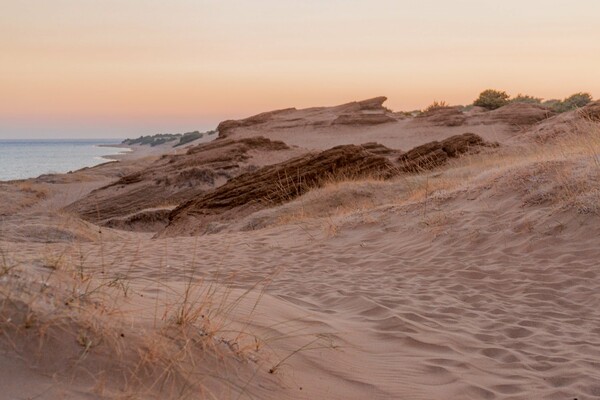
{"x": 572, "y": 102}
{"x": 524, "y": 98}
{"x": 161, "y": 138}
{"x": 189, "y": 137}
{"x": 152, "y": 140}
{"x": 492, "y": 99}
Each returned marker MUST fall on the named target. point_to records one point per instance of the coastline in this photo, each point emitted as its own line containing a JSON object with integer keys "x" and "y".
{"x": 36, "y": 158}
{"x": 119, "y": 156}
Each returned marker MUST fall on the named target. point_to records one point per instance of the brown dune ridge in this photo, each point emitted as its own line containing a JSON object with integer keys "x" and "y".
{"x": 140, "y": 201}
{"x": 434, "y": 154}
{"x": 515, "y": 115}
{"x": 370, "y": 120}
{"x": 243, "y": 145}
{"x": 228, "y": 125}
{"x": 443, "y": 116}
{"x": 275, "y": 184}
{"x": 148, "y": 195}
{"x": 520, "y": 114}
{"x": 356, "y": 113}
{"x": 279, "y": 183}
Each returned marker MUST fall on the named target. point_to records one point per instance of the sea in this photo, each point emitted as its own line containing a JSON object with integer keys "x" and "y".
{"x": 21, "y": 159}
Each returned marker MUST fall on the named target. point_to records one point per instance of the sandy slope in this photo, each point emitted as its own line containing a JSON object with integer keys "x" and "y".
{"x": 480, "y": 280}
{"x": 497, "y": 303}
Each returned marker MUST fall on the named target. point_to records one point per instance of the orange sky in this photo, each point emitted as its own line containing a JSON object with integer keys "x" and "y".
{"x": 94, "y": 68}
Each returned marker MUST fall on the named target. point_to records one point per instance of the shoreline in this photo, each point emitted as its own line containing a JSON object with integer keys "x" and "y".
{"x": 118, "y": 156}
{"x": 126, "y": 152}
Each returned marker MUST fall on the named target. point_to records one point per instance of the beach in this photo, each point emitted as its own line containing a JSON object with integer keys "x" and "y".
{"x": 339, "y": 252}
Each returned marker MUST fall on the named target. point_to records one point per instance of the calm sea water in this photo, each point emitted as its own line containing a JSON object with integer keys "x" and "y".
{"x": 20, "y": 159}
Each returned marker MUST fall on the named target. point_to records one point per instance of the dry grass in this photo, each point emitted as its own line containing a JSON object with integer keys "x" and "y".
{"x": 91, "y": 324}
{"x": 38, "y": 190}
{"x": 68, "y": 321}
{"x": 336, "y": 198}
{"x": 15, "y": 197}
{"x": 436, "y": 105}
{"x": 564, "y": 174}
{"x": 571, "y": 166}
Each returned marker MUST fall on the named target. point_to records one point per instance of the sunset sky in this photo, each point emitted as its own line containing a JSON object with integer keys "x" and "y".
{"x": 122, "y": 68}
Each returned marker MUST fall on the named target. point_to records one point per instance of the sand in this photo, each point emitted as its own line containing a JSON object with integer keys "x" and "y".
{"x": 477, "y": 280}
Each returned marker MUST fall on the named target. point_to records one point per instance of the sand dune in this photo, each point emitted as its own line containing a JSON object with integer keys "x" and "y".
{"x": 475, "y": 279}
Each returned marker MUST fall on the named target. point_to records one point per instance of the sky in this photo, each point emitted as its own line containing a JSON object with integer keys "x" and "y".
{"x": 123, "y": 68}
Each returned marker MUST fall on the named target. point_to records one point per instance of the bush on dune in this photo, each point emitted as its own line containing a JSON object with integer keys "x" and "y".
{"x": 152, "y": 140}
{"x": 189, "y": 137}
{"x": 573, "y": 102}
{"x": 525, "y": 98}
{"x": 492, "y": 99}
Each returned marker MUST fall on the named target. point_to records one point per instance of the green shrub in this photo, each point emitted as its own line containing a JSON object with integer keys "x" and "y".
{"x": 524, "y": 98}
{"x": 189, "y": 137}
{"x": 576, "y": 100}
{"x": 572, "y": 102}
{"x": 492, "y": 99}
{"x": 152, "y": 140}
